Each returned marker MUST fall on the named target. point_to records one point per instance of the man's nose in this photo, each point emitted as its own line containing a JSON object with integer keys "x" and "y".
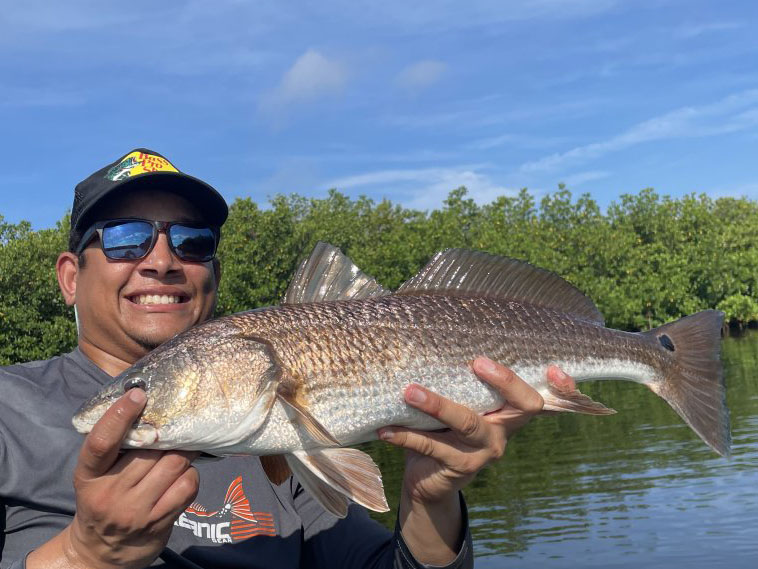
{"x": 161, "y": 259}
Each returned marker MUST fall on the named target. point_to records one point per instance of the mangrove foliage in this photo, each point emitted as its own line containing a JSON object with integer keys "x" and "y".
{"x": 645, "y": 260}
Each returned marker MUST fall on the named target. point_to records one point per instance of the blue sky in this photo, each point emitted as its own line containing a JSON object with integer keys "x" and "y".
{"x": 403, "y": 100}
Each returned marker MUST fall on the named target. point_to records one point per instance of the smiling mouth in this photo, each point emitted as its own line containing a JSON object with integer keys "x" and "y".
{"x": 158, "y": 299}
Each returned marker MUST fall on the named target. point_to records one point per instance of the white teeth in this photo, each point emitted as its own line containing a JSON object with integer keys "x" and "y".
{"x": 156, "y": 299}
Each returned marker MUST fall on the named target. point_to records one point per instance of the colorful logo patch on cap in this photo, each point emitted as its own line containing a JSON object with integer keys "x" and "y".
{"x": 138, "y": 163}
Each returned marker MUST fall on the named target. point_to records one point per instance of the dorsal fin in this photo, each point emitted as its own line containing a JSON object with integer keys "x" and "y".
{"x": 329, "y": 275}
{"x": 474, "y": 273}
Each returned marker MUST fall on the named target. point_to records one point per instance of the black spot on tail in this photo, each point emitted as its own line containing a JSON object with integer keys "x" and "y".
{"x": 666, "y": 342}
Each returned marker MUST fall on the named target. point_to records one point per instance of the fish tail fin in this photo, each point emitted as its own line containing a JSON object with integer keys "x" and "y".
{"x": 694, "y": 384}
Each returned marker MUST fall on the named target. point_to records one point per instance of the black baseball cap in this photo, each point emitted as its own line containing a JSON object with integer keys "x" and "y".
{"x": 141, "y": 168}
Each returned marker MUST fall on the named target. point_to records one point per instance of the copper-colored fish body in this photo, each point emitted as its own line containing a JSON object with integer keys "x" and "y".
{"x": 329, "y": 367}
{"x": 349, "y": 361}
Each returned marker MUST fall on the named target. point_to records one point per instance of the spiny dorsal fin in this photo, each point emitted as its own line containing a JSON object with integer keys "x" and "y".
{"x": 474, "y": 273}
{"x": 329, "y": 275}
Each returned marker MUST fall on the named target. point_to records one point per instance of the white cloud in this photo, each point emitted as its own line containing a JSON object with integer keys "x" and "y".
{"x": 425, "y": 188}
{"x": 731, "y": 114}
{"x": 688, "y": 31}
{"x": 311, "y": 77}
{"x": 384, "y": 177}
{"x": 516, "y": 141}
{"x": 749, "y": 190}
{"x": 574, "y": 180}
{"x": 487, "y": 111}
{"x": 480, "y": 187}
{"x": 420, "y": 75}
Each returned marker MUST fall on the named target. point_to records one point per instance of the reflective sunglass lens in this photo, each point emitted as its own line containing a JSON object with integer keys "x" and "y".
{"x": 193, "y": 243}
{"x": 127, "y": 240}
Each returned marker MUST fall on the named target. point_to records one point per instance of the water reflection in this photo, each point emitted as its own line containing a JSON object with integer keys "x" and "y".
{"x": 629, "y": 490}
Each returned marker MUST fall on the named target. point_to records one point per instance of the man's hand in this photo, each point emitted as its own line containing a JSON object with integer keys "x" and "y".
{"x": 438, "y": 464}
{"x": 125, "y": 504}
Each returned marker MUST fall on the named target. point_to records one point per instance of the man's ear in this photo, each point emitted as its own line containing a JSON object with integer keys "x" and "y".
{"x": 67, "y": 270}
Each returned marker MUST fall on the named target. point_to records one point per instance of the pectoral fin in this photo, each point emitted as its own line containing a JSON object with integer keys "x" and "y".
{"x": 332, "y": 474}
{"x": 300, "y": 415}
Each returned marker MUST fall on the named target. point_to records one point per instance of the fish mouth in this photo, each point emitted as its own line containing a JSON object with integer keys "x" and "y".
{"x": 82, "y": 425}
{"x": 141, "y": 436}
{"x": 84, "y": 420}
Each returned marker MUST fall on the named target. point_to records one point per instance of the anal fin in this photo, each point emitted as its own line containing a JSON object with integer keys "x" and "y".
{"x": 348, "y": 472}
{"x": 574, "y": 401}
{"x": 328, "y": 497}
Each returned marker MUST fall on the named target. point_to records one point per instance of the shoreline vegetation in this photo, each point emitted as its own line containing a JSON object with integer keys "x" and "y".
{"x": 647, "y": 259}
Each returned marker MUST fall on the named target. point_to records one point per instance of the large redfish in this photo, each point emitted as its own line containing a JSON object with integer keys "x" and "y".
{"x": 328, "y": 368}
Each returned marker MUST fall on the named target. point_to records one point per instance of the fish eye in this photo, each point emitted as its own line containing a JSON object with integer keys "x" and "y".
{"x": 134, "y": 382}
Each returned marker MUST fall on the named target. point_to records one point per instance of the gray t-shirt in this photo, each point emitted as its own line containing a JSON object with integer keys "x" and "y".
{"x": 239, "y": 519}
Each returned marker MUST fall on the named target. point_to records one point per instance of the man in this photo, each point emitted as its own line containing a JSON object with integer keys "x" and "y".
{"x": 141, "y": 267}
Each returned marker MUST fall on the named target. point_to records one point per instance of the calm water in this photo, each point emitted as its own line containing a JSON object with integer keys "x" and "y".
{"x": 636, "y": 489}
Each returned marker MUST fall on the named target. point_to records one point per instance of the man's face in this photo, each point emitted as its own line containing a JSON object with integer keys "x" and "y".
{"x": 127, "y": 308}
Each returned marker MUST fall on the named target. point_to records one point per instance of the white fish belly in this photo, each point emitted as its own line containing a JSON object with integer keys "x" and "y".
{"x": 353, "y": 414}
{"x": 588, "y": 369}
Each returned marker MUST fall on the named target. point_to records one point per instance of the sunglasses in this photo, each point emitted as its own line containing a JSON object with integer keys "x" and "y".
{"x": 132, "y": 239}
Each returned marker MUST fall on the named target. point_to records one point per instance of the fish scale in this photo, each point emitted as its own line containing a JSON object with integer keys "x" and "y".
{"x": 296, "y": 383}
{"x": 429, "y": 340}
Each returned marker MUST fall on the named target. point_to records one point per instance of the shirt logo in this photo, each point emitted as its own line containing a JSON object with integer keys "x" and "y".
{"x": 138, "y": 163}
{"x": 232, "y": 523}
